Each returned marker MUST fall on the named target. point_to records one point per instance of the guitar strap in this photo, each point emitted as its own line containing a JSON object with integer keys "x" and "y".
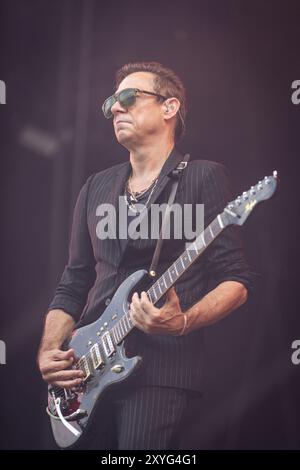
{"x": 175, "y": 175}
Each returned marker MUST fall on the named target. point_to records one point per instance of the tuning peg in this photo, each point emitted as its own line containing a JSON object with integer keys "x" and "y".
{"x": 245, "y": 195}
{"x": 275, "y": 173}
{"x": 252, "y": 190}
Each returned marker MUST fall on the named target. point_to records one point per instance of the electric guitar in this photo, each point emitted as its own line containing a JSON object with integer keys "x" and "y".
{"x": 100, "y": 345}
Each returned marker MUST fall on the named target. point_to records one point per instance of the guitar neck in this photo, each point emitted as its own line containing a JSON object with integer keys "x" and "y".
{"x": 185, "y": 260}
{"x": 174, "y": 272}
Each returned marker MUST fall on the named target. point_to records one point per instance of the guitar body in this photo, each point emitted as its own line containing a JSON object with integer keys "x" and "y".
{"x": 111, "y": 369}
{"x": 99, "y": 346}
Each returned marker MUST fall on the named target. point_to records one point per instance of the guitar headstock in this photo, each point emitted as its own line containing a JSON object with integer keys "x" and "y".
{"x": 237, "y": 211}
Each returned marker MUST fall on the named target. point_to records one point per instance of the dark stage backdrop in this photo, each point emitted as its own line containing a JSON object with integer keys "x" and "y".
{"x": 238, "y": 59}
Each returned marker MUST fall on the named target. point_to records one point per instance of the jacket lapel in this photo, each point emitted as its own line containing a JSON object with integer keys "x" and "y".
{"x": 117, "y": 188}
{"x": 165, "y": 175}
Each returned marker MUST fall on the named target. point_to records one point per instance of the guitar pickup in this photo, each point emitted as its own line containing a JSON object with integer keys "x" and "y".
{"x": 84, "y": 366}
{"x": 107, "y": 344}
{"x": 96, "y": 357}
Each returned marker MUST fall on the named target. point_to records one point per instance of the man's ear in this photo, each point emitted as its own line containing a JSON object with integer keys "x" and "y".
{"x": 171, "y": 107}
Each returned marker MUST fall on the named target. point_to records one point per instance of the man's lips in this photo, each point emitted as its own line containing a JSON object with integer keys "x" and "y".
{"x": 121, "y": 122}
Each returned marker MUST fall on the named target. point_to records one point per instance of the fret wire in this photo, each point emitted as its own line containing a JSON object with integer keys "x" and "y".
{"x": 173, "y": 271}
{"x": 150, "y": 294}
{"x": 121, "y": 327}
{"x": 127, "y": 326}
{"x": 220, "y": 221}
{"x": 207, "y": 236}
{"x": 199, "y": 244}
{"x": 161, "y": 288}
{"x": 154, "y": 292}
{"x": 118, "y": 332}
{"x": 179, "y": 267}
{"x": 125, "y": 323}
{"x": 117, "y": 335}
{"x": 113, "y": 334}
{"x": 202, "y": 238}
{"x": 155, "y": 298}
{"x": 129, "y": 320}
{"x": 187, "y": 258}
{"x": 216, "y": 226}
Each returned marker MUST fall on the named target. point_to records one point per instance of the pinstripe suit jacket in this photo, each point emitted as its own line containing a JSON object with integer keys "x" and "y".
{"x": 97, "y": 267}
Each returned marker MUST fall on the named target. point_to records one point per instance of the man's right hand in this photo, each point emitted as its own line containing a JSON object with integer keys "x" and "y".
{"x": 55, "y": 366}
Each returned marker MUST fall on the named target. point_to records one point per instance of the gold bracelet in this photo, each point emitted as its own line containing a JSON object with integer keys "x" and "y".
{"x": 185, "y": 324}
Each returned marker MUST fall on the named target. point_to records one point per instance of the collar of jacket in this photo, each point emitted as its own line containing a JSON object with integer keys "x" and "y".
{"x": 170, "y": 164}
{"x": 122, "y": 173}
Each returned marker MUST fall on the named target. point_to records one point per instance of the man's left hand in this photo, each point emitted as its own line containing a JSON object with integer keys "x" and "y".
{"x": 167, "y": 320}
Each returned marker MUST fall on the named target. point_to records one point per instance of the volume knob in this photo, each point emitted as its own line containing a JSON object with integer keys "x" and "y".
{"x": 117, "y": 368}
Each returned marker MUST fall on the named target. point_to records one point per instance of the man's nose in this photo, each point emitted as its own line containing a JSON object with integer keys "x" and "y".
{"x": 116, "y": 107}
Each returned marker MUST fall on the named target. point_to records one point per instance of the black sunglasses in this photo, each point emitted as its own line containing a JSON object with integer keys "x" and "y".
{"x": 126, "y": 98}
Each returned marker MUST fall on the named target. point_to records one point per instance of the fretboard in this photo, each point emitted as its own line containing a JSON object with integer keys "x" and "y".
{"x": 173, "y": 273}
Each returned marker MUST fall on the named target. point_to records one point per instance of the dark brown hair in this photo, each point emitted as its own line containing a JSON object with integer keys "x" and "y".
{"x": 166, "y": 83}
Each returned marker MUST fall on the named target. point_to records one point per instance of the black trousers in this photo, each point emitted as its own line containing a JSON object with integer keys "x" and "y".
{"x": 143, "y": 418}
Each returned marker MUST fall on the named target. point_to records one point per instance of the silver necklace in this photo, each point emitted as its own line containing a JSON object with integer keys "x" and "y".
{"x": 133, "y": 199}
